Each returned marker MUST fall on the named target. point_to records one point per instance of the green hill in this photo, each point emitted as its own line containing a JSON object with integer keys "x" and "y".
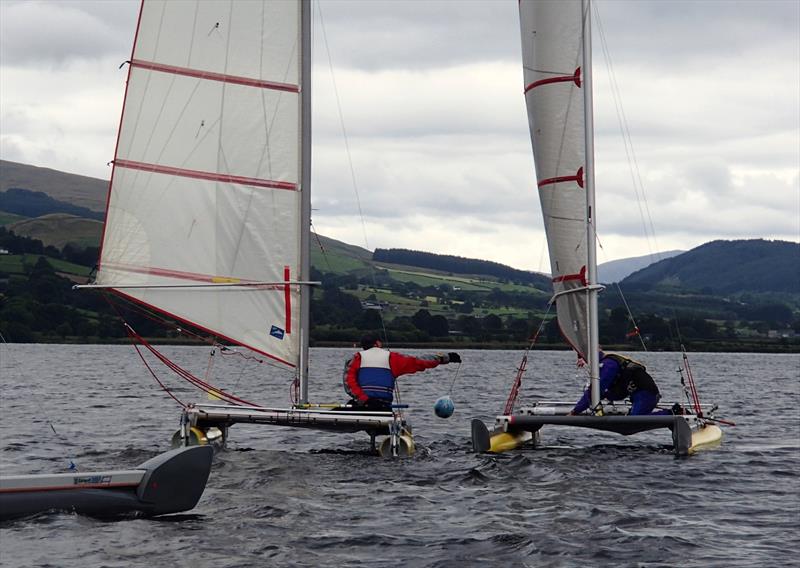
{"x": 460, "y": 265}
{"x": 726, "y": 267}
{"x": 736, "y": 295}
{"x": 59, "y": 229}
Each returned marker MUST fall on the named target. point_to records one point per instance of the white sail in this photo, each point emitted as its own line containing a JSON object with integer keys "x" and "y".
{"x": 552, "y": 55}
{"x": 207, "y": 173}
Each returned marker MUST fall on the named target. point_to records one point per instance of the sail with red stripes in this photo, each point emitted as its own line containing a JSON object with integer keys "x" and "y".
{"x": 552, "y": 55}
{"x": 206, "y": 185}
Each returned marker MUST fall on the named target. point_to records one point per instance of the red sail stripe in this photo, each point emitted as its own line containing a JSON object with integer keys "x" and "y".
{"x": 577, "y": 178}
{"x": 574, "y": 78}
{"x": 287, "y": 298}
{"x": 210, "y": 75}
{"x": 579, "y": 276}
{"x": 180, "y": 275}
{"x": 209, "y": 176}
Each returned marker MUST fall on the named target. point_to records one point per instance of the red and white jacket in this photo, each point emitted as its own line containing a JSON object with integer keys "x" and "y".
{"x": 371, "y": 373}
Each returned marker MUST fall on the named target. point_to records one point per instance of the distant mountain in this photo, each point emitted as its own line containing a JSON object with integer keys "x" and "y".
{"x": 78, "y": 190}
{"x": 60, "y": 229}
{"x": 29, "y": 203}
{"x": 725, "y": 267}
{"x": 617, "y": 270}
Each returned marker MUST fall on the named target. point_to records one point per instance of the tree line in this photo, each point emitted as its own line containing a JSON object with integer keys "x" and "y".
{"x": 459, "y": 265}
{"x": 37, "y": 303}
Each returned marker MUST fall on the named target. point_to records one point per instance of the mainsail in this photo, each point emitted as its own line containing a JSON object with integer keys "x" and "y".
{"x": 552, "y": 54}
{"x": 205, "y": 212}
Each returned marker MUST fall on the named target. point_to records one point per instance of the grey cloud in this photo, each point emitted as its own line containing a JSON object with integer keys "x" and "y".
{"x": 36, "y": 33}
{"x": 417, "y": 34}
{"x": 671, "y": 33}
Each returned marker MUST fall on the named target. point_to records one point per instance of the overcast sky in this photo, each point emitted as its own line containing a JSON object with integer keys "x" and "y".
{"x": 431, "y": 99}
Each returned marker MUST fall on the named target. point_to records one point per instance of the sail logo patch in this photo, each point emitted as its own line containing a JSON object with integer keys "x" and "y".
{"x": 276, "y": 332}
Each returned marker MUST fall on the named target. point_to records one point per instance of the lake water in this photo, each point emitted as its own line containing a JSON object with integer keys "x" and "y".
{"x": 283, "y": 497}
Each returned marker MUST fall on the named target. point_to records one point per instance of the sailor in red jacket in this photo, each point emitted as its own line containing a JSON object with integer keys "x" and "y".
{"x": 369, "y": 376}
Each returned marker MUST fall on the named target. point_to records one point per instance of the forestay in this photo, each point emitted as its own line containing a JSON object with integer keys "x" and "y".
{"x": 205, "y": 188}
{"x": 552, "y": 58}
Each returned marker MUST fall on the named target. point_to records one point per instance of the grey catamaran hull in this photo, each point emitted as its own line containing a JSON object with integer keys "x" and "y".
{"x": 168, "y": 483}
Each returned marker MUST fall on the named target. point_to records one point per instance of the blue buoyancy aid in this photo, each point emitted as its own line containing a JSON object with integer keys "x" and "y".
{"x": 375, "y": 374}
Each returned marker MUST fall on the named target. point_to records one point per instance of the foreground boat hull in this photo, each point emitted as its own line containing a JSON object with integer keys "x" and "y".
{"x": 168, "y": 483}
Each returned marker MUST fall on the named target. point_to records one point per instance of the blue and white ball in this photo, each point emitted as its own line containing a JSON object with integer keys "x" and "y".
{"x": 444, "y": 407}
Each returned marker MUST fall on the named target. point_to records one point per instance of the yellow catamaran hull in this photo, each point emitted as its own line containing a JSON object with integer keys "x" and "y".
{"x": 512, "y": 432}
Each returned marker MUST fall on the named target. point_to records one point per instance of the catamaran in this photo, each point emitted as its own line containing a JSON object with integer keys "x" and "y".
{"x": 208, "y": 214}
{"x": 556, "y": 53}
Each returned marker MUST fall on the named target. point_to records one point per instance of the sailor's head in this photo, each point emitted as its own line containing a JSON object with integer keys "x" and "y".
{"x": 369, "y": 341}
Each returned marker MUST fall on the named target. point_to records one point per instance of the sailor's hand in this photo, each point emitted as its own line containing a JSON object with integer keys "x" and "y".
{"x": 453, "y": 358}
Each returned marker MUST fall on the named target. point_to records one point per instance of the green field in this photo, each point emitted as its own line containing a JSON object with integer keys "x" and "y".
{"x": 22, "y": 263}
{"x": 59, "y": 229}
{"x": 464, "y": 282}
{"x": 331, "y": 261}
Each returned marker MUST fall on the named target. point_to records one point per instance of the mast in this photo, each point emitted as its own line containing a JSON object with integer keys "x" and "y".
{"x": 591, "y": 246}
{"x": 305, "y": 194}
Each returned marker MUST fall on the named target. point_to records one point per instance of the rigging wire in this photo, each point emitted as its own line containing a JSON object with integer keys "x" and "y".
{"x": 633, "y": 166}
{"x": 350, "y": 160}
{"x": 633, "y": 163}
{"x": 630, "y": 316}
{"x": 515, "y": 386}
{"x": 321, "y": 248}
{"x": 195, "y": 381}
{"x": 42, "y": 408}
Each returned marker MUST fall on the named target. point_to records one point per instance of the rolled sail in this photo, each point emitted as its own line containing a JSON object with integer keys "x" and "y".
{"x": 205, "y": 188}
{"x": 552, "y": 57}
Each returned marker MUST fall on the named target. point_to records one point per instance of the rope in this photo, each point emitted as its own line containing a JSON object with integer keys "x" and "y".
{"x": 152, "y": 373}
{"x": 512, "y": 396}
{"x": 692, "y": 386}
{"x": 630, "y": 316}
{"x": 453, "y": 382}
{"x": 186, "y": 375}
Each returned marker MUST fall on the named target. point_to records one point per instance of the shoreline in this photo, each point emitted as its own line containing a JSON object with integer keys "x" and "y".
{"x": 698, "y": 346}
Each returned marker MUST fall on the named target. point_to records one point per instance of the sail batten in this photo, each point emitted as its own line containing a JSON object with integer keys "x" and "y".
{"x": 206, "y": 183}
{"x": 182, "y": 172}
{"x": 210, "y": 76}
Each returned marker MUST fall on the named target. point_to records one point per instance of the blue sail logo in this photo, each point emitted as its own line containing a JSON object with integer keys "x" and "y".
{"x": 276, "y": 332}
